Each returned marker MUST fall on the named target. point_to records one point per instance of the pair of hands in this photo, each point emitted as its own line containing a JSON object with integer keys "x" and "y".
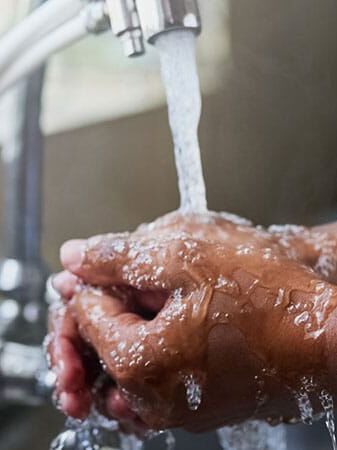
{"x": 194, "y": 322}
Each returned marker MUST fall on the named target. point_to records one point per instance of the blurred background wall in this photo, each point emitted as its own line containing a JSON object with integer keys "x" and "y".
{"x": 268, "y": 137}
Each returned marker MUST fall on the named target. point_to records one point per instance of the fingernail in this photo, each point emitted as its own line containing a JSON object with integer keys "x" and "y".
{"x": 59, "y": 280}
{"x": 62, "y": 280}
{"x": 72, "y": 254}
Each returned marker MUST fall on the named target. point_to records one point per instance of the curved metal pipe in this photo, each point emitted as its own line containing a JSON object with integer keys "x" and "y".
{"x": 92, "y": 19}
{"x": 41, "y": 21}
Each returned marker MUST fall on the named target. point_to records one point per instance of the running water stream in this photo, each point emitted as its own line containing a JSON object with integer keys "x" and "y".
{"x": 180, "y": 76}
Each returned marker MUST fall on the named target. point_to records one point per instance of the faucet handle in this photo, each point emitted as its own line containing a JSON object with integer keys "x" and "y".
{"x": 126, "y": 25}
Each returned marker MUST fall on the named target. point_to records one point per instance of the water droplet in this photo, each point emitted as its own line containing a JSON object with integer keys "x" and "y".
{"x": 193, "y": 392}
{"x": 302, "y": 318}
{"x": 280, "y": 297}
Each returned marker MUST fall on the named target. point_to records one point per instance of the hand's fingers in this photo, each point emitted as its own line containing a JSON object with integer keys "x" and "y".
{"x": 65, "y": 283}
{"x": 115, "y": 406}
{"x": 138, "y": 261}
{"x": 64, "y": 354}
{"x": 76, "y": 404}
{"x": 314, "y": 247}
{"x": 151, "y": 301}
{"x": 107, "y": 324}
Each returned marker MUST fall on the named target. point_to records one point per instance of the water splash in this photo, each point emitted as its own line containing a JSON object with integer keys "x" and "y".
{"x": 252, "y": 435}
{"x": 327, "y": 404}
{"x": 130, "y": 442}
{"x": 193, "y": 392}
{"x": 305, "y": 407}
{"x": 180, "y": 76}
{"x": 94, "y": 433}
{"x": 170, "y": 440}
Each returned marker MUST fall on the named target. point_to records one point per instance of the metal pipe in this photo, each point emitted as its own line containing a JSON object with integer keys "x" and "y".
{"x": 22, "y": 162}
{"x": 92, "y": 19}
{"x": 61, "y": 38}
{"x": 24, "y": 376}
{"x": 39, "y": 23}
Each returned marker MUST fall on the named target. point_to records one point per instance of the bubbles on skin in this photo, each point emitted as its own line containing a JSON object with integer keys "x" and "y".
{"x": 268, "y": 254}
{"x": 302, "y": 318}
{"x": 124, "y": 356}
{"x": 245, "y": 249}
{"x": 96, "y": 314}
{"x": 204, "y": 218}
{"x": 108, "y": 245}
{"x": 314, "y": 313}
{"x": 280, "y": 297}
{"x": 46, "y": 346}
{"x": 326, "y": 248}
{"x": 226, "y": 284}
{"x": 221, "y": 317}
{"x": 260, "y": 396}
{"x": 176, "y": 308}
{"x": 190, "y": 253}
{"x": 237, "y": 220}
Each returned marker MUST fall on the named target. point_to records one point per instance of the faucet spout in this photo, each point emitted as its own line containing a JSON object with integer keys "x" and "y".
{"x": 135, "y": 20}
{"x": 161, "y": 16}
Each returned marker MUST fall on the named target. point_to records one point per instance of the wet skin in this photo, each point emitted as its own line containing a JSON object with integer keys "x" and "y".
{"x": 243, "y": 312}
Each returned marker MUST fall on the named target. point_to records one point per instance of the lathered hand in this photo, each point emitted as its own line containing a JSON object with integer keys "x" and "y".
{"x": 202, "y": 321}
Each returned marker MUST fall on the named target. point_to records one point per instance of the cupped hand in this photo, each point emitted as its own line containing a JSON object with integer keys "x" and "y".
{"x": 199, "y": 321}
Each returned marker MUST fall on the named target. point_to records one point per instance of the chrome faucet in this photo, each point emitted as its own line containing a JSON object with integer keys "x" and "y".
{"x": 134, "y": 21}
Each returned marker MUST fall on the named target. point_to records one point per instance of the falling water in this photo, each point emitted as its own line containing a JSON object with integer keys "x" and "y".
{"x": 252, "y": 435}
{"x": 305, "y": 407}
{"x": 180, "y": 76}
{"x": 327, "y": 404}
{"x": 193, "y": 392}
{"x": 170, "y": 440}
